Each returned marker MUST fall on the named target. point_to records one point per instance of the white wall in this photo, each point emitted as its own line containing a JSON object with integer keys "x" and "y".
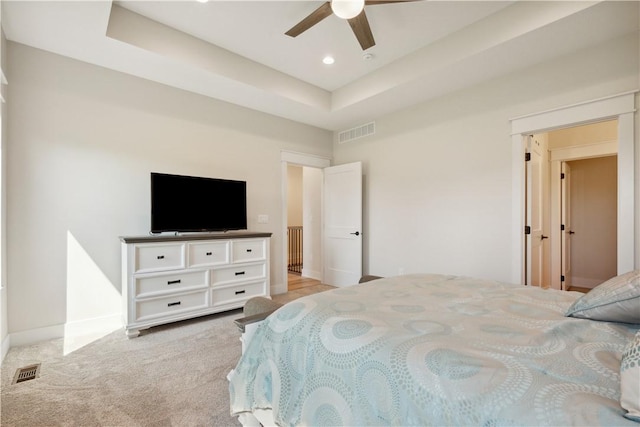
{"x": 82, "y": 142}
{"x": 294, "y": 196}
{"x": 438, "y": 175}
{"x": 312, "y": 224}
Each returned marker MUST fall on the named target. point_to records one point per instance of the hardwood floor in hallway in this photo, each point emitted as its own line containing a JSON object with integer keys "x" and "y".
{"x": 299, "y": 286}
{"x": 296, "y": 281}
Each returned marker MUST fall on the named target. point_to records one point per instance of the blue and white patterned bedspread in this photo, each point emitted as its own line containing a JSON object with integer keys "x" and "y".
{"x": 433, "y": 350}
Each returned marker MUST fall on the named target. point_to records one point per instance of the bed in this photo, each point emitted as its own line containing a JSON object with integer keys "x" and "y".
{"x": 445, "y": 350}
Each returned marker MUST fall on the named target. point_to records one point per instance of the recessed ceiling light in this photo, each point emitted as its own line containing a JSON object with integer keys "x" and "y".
{"x": 202, "y": 1}
{"x": 328, "y": 60}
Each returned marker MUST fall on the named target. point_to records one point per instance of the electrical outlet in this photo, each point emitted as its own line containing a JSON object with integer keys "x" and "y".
{"x": 400, "y": 271}
{"x": 263, "y": 219}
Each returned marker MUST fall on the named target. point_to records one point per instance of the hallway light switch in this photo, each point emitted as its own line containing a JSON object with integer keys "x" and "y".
{"x": 263, "y": 219}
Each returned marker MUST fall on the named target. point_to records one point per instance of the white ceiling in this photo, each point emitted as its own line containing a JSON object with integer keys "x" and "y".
{"x": 236, "y": 51}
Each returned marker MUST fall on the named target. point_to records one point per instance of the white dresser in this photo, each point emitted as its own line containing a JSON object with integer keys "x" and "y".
{"x": 171, "y": 278}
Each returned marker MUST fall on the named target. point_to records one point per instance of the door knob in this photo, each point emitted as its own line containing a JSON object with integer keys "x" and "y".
{"x": 357, "y": 233}
{"x": 572, "y": 232}
{"x": 542, "y": 237}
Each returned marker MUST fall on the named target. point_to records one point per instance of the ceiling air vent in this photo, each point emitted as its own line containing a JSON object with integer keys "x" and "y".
{"x": 357, "y": 132}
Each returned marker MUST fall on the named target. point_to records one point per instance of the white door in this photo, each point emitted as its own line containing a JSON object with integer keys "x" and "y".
{"x": 343, "y": 224}
{"x": 535, "y": 214}
{"x": 565, "y": 213}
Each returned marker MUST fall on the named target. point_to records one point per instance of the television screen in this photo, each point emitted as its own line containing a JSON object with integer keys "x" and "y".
{"x": 188, "y": 203}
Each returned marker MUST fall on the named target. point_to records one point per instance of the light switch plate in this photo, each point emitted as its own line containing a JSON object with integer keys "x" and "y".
{"x": 263, "y": 219}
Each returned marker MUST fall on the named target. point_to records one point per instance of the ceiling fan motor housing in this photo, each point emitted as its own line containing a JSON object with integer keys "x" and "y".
{"x": 347, "y": 9}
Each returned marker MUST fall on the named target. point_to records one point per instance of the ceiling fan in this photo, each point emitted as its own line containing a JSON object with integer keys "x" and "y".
{"x": 352, "y": 11}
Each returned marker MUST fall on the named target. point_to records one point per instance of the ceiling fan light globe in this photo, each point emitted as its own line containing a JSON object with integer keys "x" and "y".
{"x": 347, "y": 9}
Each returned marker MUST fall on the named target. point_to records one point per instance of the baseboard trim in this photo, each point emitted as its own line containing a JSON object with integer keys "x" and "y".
{"x": 312, "y": 274}
{"x": 585, "y": 282}
{"x": 77, "y": 334}
{"x": 97, "y": 326}
{"x": 32, "y": 336}
{"x": 280, "y": 288}
{"x": 6, "y": 345}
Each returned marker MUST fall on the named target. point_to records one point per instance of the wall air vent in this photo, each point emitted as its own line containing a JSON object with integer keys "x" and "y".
{"x": 357, "y": 132}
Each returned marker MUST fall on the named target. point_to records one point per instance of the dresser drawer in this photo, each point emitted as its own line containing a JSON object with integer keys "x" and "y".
{"x": 208, "y": 253}
{"x": 233, "y": 274}
{"x": 166, "y": 306}
{"x": 152, "y": 285}
{"x": 237, "y": 293}
{"x": 249, "y": 250}
{"x": 159, "y": 257}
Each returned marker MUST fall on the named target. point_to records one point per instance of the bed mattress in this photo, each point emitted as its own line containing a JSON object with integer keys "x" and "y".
{"x": 433, "y": 350}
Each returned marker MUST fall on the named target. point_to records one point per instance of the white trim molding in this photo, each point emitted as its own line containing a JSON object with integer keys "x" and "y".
{"x": 6, "y": 345}
{"x": 587, "y": 151}
{"x": 84, "y": 331}
{"x": 32, "y": 336}
{"x": 572, "y": 115}
{"x": 302, "y": 159}
{"x": 620, "y": 107}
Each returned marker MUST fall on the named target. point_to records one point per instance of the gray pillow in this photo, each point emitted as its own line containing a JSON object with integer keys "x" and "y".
{"x": 616, "y": 300}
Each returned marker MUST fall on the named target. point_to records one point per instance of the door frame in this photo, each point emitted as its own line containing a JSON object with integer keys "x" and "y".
{"x": 295, "y": 159}
{"x": 620, "y": 107}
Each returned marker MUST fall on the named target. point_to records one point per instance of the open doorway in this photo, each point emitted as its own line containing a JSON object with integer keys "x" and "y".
{"x": 304, "y": 190}
{"x": 337, "y": 221}
{"x": 620, "y": 107}
{"x": 572, "y": 200}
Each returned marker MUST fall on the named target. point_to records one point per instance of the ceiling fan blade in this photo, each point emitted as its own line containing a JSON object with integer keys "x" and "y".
{"x": 362, "y": 30}
{"x": 376, "y": 2}
{"x": 316, "y": 16}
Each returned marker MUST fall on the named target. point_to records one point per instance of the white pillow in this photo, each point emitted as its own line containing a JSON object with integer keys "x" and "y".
{"x": 616, "y": 300}
{"x": 630, "y": 379}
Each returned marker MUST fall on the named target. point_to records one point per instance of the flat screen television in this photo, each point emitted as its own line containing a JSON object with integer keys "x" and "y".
{"x": 191, "y": 204}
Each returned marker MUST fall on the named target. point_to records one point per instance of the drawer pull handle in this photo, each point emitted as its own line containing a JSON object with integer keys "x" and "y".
{"x": 248, "y": 250}
{"x": 160, "y": 257}
{"x": 171, "y": 304}
{"x": 209, "y": 253}
{"x": 240, "y": 292}
{"x": 239, "y": 273}
{"x": 173, "y": 282}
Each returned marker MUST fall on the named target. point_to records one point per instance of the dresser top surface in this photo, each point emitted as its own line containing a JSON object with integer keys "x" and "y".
{"x": 193, "y": 236}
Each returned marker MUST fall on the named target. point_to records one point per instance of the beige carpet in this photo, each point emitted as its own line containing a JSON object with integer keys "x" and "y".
{"x": 171, "y": 375}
